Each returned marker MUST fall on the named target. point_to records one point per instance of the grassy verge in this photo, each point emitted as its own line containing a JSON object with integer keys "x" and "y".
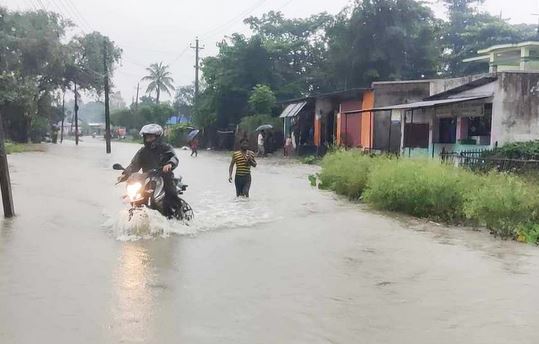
{"x": 504, "y": 203}
{"x": 12, "y": 148}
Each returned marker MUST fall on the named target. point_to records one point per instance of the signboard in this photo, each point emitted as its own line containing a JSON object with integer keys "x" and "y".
{"x": 460, "y": 110}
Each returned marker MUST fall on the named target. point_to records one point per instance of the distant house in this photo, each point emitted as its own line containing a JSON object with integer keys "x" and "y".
{"x": 97, "y": 128}
{"x": 490, "y": 111}
{"x": 319, "y": 121}
{"x": 510, "y": 57}
{"x": 428, "y": 116}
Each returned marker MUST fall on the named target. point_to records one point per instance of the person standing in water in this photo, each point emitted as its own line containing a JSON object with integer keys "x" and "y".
{"x": 244, "y": 159}
{"x": 194, "y": 147}
{"x": 261, "y": 140}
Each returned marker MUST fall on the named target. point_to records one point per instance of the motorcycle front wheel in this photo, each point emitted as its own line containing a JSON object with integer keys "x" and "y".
{"x": 183, "y": 211}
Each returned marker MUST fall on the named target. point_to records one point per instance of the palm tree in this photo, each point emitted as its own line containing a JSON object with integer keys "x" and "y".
{"x": 160, "y": 80}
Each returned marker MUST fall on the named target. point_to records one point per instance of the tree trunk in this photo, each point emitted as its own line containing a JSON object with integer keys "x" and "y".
{"x": 157, "y": 96}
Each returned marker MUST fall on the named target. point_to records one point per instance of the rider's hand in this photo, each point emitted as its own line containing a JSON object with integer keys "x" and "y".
{"x": 167, "y": 168}
{"x": 230, "y": 179}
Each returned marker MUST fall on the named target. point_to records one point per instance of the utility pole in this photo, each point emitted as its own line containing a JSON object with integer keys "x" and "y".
{"x": 5, "y": 182}
{"x": 76, "y": 116}
{"x": 197, "y": 48}
{"x": 63, "y": 115}
{"x": 107, "y": 109}
{"x": 136, "y": 102}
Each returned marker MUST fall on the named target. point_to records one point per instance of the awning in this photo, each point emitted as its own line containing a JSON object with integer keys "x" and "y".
{"x": 293, "y": 109}
{"x": 426, "y": 104}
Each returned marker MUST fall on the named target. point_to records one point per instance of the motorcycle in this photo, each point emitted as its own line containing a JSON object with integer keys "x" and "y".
{"x": 147, "y": 190}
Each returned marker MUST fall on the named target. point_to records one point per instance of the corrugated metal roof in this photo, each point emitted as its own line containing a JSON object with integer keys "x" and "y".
{"x": 426, "y": 104}
{"x": 292, "y": 109}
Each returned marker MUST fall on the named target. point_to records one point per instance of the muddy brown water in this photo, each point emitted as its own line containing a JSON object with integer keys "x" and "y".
{"x": 291, "y": 265}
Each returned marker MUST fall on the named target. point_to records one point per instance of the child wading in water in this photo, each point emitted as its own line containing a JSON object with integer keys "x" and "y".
{"x": 194, "y": 147}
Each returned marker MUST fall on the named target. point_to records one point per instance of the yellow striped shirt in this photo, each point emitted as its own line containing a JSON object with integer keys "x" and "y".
{"x": 243, "y": 168}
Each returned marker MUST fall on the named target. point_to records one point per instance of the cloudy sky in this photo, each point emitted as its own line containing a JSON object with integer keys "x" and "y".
{"x": 162, "y": 30}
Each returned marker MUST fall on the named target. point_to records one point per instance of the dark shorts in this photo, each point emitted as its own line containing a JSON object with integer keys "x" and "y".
{"x": 243, "y": 184}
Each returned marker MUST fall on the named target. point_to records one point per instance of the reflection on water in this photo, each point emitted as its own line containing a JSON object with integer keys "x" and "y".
{"x": 133, "y": 310}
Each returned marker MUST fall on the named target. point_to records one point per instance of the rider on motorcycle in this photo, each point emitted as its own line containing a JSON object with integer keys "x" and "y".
{"x": 157, "y": 154}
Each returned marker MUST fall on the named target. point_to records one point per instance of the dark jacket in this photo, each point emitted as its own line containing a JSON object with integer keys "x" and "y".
{"x": 155, "y": 156}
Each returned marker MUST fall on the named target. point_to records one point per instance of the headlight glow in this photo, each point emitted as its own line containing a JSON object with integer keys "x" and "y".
{"x": 133, "y": 191}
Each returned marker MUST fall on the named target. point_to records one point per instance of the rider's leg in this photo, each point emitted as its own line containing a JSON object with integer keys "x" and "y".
{"x": 171, "y": 194}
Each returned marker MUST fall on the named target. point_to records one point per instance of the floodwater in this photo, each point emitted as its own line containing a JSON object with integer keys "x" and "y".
{"x": 291, "y": 265}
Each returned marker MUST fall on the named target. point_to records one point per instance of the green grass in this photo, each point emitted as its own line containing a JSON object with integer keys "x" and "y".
{"x": 13, "y": 148}
{"x": 504, "y": 203}
{"x": 421, "y": 188}
{"x": 346, "y": 173}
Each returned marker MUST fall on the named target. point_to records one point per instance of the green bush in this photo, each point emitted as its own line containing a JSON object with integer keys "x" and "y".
{"x": 517, "y": 150}
{"x": 346, "y": 173}
{"x": 177, "y": 134}
{"x": 310, "y": 160}
{"x": 38, "y": 129}
{"x": 506, "y": 205}
{"x": 250, "y": 123}
{"x": 421, "y": 188}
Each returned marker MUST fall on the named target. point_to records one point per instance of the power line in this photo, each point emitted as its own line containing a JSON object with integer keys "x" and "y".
{"x": 41, "y": 6}
{"x": 76, "y": 13}
{"x": 79, "y": 14}
{"x": 232, "y": 21}
{"x": 179, "y": 55}
{"x": 32, "y": 4}
{"x": 72, "y": 15}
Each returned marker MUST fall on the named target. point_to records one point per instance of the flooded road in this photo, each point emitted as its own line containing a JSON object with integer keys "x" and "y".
{"x": 291, "y": 265}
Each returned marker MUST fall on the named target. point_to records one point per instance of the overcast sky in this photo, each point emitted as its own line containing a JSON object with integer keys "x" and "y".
{"x": 162, "y": 30}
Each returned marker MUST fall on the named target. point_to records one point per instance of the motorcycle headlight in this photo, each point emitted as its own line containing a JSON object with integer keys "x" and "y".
{"x": 133, "y": 191}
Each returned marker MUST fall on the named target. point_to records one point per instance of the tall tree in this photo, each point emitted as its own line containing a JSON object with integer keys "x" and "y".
{"x": 383, "y": 40}
{"x": 160, "y": 80}
{"x": 184, "y": 101}
{"x": 262, "y": 100}
{"x": 469, "y": 30}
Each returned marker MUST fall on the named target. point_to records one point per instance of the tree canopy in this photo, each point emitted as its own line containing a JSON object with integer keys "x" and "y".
{"x": 367, "y": 41}
{"x": 160, "y": 80}
{"x": 39, "y": 62}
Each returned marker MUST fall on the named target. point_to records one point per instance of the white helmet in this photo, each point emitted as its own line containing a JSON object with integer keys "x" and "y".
{"x": 151, "y": 129}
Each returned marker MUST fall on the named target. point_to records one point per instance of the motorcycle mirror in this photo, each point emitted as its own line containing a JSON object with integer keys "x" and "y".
{"x": 118, "y": 167}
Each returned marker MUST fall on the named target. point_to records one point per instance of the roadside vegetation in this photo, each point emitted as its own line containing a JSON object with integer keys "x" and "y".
{"x": 12, "y": 148}
{"x": 506, "y": 204}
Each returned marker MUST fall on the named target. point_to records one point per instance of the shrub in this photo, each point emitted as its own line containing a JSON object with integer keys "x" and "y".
{"x": 177, "y": 134}
{"x": 250, "y": 123}
{"x": 310, "y": 160}
{"x": 38, "y": 129}
{"x": 421, "y": 188}
{"x": 346, "y": 173}
{"x": 516, "y": 150}
{"x": 505, "y": 204}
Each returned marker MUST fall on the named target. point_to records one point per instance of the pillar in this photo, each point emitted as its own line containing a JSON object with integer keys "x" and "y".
{"x": 524, "y": 58}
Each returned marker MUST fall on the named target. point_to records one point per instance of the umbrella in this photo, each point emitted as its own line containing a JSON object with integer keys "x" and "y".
{"x": 264, "y": 127}
{"x": 192, "y": 134}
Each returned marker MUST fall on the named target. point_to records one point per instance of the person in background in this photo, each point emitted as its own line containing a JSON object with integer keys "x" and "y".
{"x": 194, "y": 147}
{"x": 261, "y": 142}
{"x": 288, "y": 146}
{"x": 244, "y": 159}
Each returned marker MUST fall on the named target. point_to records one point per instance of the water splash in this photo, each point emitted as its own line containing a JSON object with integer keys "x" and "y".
{"x": 145, "y": 224}
{"x": 213, "y": 211}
